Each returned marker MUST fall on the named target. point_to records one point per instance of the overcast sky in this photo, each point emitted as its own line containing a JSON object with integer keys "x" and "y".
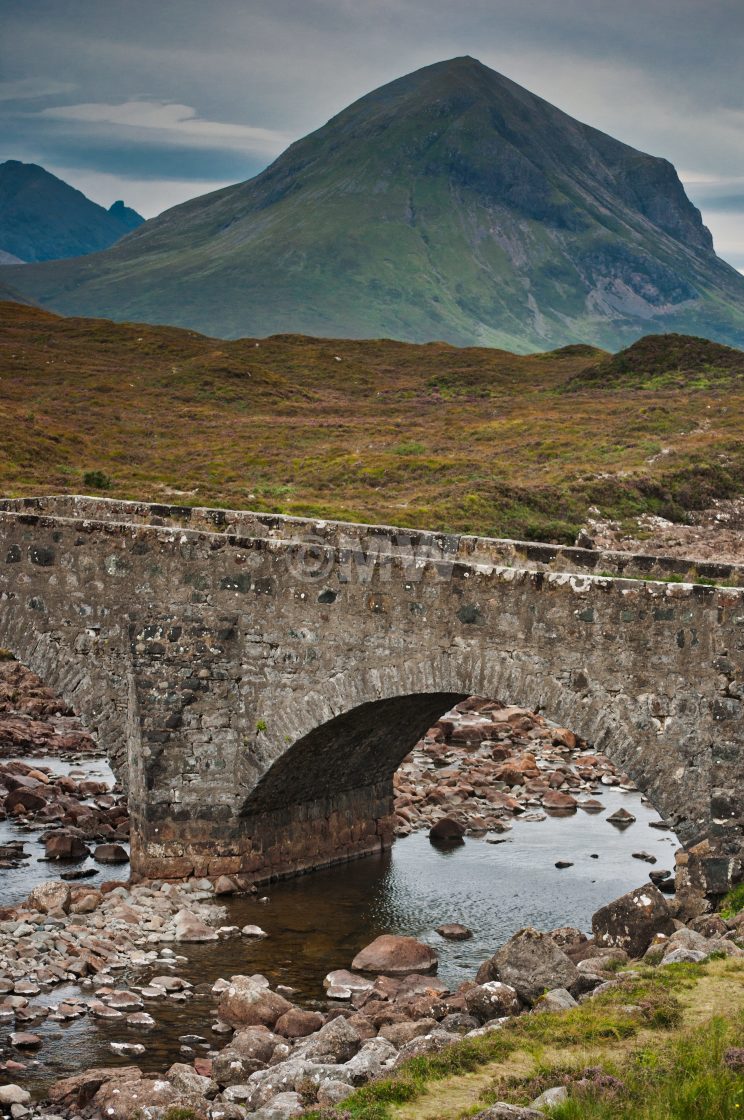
{"x": 155, "y": 101}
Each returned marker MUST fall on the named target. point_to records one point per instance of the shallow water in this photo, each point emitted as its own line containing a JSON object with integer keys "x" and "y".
{"x": 319, "y": 921}
{"x": 17, "y": 882}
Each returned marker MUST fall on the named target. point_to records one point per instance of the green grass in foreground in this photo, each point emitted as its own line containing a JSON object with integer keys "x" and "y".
{"x": 733, "y": 902}
{"x": 685, "y": 1078}
{"x": 646, "y": 1065}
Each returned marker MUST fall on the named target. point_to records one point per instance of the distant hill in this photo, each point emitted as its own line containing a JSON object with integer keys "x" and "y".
{"x": 663, "y": 361}
{"x": 8, "y": 293}
{"x": 43, "y": 218}
{"x": 433, "y": 436}
{"x": 450, "y": 204}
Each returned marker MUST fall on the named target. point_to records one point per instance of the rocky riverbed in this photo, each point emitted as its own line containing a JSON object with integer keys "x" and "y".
{"x": 266, "y": 1055}
{"x": 91, "y": 957}
{"x": 484, "y": 764}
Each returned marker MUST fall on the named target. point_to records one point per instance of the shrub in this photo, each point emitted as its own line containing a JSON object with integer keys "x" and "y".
{"x": 97, "y": 480}
{"x": 733, "y": 902}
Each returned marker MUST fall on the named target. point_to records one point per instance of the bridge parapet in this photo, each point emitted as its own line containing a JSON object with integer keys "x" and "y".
{"x": 383, "y": 540}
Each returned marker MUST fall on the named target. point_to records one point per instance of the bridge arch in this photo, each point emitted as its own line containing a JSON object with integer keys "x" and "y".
{"x": 354, "y": 735}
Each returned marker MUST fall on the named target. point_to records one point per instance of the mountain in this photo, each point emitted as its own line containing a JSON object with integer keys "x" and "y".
{"x": 450, "y": 204}
{"x": 42, "y": 218}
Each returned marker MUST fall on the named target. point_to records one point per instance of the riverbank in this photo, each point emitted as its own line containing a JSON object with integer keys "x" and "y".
{"x": 385, "y": 1019}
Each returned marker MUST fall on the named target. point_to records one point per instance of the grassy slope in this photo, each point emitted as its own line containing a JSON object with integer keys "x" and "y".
{"x": 666, "y": 1057}
{"x": 428, "y": 436}
{"x": 664, "y": 361}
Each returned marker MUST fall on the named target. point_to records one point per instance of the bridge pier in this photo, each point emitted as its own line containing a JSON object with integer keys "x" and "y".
{"x": 269, "y": 845}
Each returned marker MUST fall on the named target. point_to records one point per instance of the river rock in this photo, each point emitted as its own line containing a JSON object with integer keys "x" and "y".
{"x": 447, "y": 831}
{"x": 430, "y": 1043}
{"x": 190, "y": 927}
{"x": 401, "y": 1033}
{"x": 332, "y": 1093}
{"x": 144, "y": 1096}
{"x": 49, "y": 896}
{"x": 186, "y": 1080}
{"x": 75, "y": 1093}
{"x": 531, "y": 963}
{"x": 621, "y": 817}
{"x": 396, "y": 956}
{"x": 341, "y": 984}
{"x": 335, "y": 1042}
{"x": 248, "y": 1003}
{"x": 249, "y": 1051}
{"x": 631, "y": 921}
{"x": 297, "y": 1023}
{"x": 374, "y": 1058}
{"x": 559, "y": 999}
{"x": 64, "y": 845}
{"x": 492, "y": 1000}
{"x": 283, "y": 1107}
{"x": 23, "y": 800}
{"x": 559, "y": 802}
{"x": 24, "y": 1040}
{"x": 110, "y": 853}
{"x": 14, "y": 1094}
{"x": 453, "y": 931}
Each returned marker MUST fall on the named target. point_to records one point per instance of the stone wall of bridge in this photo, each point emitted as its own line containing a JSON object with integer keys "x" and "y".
{"x": 257, "y": 680}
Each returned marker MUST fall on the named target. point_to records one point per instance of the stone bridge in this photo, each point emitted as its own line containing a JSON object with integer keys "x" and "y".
{"x": 257, "y": 679}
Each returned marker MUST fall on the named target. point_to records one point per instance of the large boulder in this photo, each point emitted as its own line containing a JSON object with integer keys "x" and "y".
{"x": 396, "y": 956}
{"x": 492, "y": 1000}
{"x": 284, "y": 1106}
{"x": 64, "y": 845}
{"x": 558, "y": 802}
{"x": 20, "y": 801}
{"x": 185, "y": 1079}
{"x": 50, "y": 896}
{"x": 75, "y": 1093}
{"x": 531, "y": 963}
{"x": 110, "y": 853}
{"x": 153, "y": 1098}
{"x": 632, "y": 921}
{"x": 336, "y": 1042}
{"x": 249, "y": 1003}
{"x": 374, "y": 1058}
{"x": 297, "y": 1023}
{"x": 14, "y": 1094}
{"x": 249, "y": 1051}
{"x": 447, "y": 831}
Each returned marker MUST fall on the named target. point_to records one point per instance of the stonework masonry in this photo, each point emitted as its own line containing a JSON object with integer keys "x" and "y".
{"x": 258, "y": 679}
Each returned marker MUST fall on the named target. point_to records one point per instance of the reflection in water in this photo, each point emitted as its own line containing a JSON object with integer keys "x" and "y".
{"x": 319, "y": 921}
